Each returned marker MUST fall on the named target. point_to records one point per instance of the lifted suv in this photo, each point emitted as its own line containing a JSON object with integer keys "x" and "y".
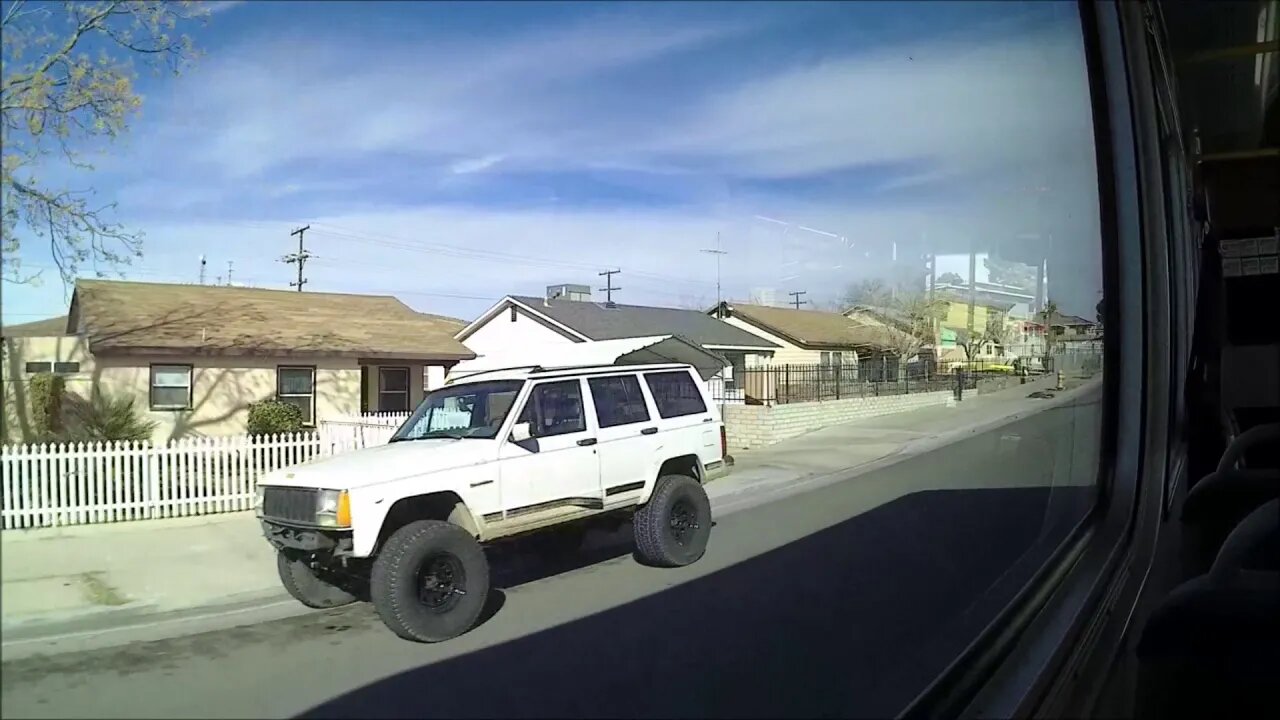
{"x": 489, "y": 456}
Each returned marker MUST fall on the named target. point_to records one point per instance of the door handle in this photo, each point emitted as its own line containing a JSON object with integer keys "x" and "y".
{"x": 649, "y": 431}
{"x": 587, "y": 441}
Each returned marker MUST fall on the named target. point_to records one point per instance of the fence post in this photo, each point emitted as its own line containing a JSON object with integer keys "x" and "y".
{"x": 959, "y": 384}
{"x": 787, "y": 379}
{"x": 151, "y": 478}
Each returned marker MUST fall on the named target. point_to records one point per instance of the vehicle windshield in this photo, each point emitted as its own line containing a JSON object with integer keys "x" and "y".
{"x": 473, "y": 410}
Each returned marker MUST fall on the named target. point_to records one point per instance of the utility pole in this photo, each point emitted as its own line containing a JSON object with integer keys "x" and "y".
{"x": 609, "y": 288}
{"x": 717, "y": 252}
{"x": 229, "y": 263}
{"x": 797, "y": 301}
{"x": 299, "y": 257}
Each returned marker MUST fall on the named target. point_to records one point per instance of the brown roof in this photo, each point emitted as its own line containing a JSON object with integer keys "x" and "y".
{"x": 216, "y": 319}
{"x": 40, "y": 328}
{"x": 816, "y": 329}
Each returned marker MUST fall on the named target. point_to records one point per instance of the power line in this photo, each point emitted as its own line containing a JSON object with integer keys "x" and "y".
{"x": 474, "y": 254}
{"x": 299, "y": 257}
{"x": 797, "y": 301}
{"x": 609, "y": 288}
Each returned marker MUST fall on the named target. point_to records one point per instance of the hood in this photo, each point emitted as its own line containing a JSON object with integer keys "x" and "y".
{"x": 383, "y": 463}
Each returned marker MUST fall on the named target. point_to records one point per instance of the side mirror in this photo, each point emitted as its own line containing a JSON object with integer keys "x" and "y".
{"x": 521, "y": 432}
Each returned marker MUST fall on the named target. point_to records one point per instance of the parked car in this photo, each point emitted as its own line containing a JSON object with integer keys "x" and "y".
{"x": 488, "y": 457}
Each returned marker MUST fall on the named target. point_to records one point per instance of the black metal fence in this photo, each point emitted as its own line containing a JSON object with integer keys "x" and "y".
{"x": 783, "y": 384}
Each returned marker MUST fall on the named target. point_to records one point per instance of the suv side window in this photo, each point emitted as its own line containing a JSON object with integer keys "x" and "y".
{"x": 675, "y": 393}
{"x": 555, "y": 408}
{"x": 618, "y": 400}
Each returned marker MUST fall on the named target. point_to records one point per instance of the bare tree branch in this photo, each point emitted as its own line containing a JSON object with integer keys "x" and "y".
{"x": 54, "y": 103}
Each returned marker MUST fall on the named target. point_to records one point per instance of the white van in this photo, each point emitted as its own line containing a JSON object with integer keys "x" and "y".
{"x": 494, "y": 455}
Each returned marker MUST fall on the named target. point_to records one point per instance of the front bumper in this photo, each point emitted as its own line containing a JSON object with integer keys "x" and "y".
{"x": 284, "y": 536}
{"x": 717, "y": 470}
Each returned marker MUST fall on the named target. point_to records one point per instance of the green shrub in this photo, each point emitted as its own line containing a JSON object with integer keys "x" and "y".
{"x": 46, "y": 391}
{"x": 272, "y": 416}
{"x": 108, "y": 418}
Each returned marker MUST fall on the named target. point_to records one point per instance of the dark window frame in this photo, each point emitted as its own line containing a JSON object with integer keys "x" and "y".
{"x": 47, "y": 367}
{"x": 408, "y": 387}
{"x": 529, "y": 407}
{"x": 648, "y": 380}
{"x": 644, "y": 404}
{"x": 151, "y": 387}
{"x": 312, "y": 394}
{"x": 63, "y": 370}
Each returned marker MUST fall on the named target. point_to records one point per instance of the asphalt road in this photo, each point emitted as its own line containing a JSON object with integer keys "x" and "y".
{"x": 813, "y": 605}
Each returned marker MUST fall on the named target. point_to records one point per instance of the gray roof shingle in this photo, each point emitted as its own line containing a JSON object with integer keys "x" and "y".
{"x": 601, "y": 322}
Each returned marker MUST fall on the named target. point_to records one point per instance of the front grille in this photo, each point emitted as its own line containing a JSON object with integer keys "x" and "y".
{"x": 290, "y": 504}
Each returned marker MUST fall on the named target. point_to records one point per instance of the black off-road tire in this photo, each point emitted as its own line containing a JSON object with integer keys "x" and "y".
{"x": 657, "y": 542}
{"x": 307, "y": 586}
{"x": 395, "y": 581}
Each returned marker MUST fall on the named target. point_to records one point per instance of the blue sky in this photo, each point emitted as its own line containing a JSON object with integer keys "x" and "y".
{"x": 453, "y": 153}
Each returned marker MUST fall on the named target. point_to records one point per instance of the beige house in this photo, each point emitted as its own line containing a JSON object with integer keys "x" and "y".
{"x": 813, "y": 337}
{"x": 196, "y": 356}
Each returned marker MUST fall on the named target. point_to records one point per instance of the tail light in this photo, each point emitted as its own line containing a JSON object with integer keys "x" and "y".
{"x": 724, "y": 443}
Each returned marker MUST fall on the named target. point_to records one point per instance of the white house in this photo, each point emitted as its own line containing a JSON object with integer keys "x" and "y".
{"x": 568, "y": 315}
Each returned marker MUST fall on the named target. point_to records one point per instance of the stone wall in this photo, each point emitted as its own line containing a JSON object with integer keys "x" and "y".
{"x": 754, "y": 426}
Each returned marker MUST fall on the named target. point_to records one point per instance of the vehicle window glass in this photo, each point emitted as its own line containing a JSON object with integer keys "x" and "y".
{"x": 618, "y": 400}
{"x": 555, "y": 408}
{"x": 468, "y": 410}
{"x": 856, "y": 220}
{"x": 675, "y": 393}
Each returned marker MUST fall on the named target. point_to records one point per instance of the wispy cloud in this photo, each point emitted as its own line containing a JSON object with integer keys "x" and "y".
{"x": 220, "y": 6}
{"x": 473, "y": 165}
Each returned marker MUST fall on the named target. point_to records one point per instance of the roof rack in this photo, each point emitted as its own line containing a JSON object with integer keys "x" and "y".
{"x": 530, "y": 368}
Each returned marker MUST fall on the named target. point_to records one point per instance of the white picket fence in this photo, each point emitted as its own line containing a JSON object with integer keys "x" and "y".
{"x": 80, "y": 483}
{"x": 361, "y": 430}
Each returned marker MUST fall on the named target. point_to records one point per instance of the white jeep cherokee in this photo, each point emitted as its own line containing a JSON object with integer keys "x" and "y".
{"x": 407, "y": 519}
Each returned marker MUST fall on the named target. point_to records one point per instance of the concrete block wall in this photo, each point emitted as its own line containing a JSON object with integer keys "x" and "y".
{"x": 752, "y": 426}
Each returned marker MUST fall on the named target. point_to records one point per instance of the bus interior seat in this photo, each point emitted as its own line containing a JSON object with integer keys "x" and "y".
{"x": 1210, "y": 647}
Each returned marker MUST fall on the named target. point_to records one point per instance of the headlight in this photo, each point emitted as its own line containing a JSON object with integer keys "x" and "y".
{"x": 333, "y": 508}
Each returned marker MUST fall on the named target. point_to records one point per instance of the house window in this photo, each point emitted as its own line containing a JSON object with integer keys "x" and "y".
{"x": 297, "y": 386}
{"x": 39, "y": 367}
{"x": 170, "y": 387}
{"x": 393, "y": 389}
{"x": 65, "y": 368}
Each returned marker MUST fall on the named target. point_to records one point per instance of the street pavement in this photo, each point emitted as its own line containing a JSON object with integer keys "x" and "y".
{"x": 89, "y": 586}
{"x": 838, "y": 594}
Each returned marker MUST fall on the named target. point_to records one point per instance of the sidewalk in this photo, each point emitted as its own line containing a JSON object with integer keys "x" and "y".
{"x": 161, "y": 578}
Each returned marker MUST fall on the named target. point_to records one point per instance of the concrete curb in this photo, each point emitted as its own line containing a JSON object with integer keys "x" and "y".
{"x": 143, "y": 622}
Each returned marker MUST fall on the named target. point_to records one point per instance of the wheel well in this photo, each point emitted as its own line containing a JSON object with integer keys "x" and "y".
{"x": 445, "y": 506}
{"x": 683, "y": 465}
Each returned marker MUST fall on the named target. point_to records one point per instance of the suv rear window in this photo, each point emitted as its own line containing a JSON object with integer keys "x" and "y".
{"x": 618, "y": 400}
{"x": 675, "y": 394}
